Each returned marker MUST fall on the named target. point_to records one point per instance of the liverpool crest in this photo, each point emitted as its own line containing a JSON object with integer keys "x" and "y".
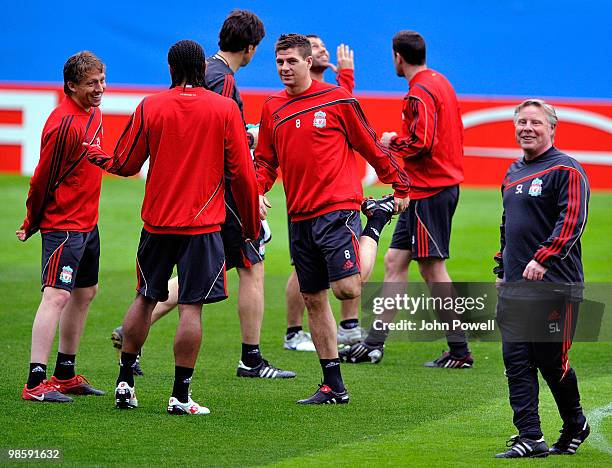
{"x": 320, "y": 119}
{"x": 66, "y": 275}
{"x": 535, "y": 190}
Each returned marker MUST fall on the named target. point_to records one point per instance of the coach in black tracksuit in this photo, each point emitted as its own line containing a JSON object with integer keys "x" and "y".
{"x": 545, "y": 199}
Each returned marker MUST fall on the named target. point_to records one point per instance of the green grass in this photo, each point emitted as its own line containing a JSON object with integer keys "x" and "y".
{"x": 400, "y": 412}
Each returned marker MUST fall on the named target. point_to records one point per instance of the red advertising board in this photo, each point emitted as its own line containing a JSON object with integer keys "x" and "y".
{"x": 584, "y": 131}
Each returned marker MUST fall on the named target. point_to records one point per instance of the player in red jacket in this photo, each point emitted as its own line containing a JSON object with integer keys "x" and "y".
{"x": 191, "y": 136}
{"x": 309, "y": 130}
{"x": 349, "y": 331}
{"x": 431, "y": 146}
{"x": 63, "y": 205}
{"x": 239, "y": 38}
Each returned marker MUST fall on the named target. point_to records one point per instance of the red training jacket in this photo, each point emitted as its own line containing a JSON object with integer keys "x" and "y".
{"x": 65, "y": 189}
{"x": 311, "y": 137}
{"x": 190, "y": 135}
{"x": 431, "y": 141}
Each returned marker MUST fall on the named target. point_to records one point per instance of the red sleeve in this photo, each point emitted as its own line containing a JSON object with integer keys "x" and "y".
{"x": 266, "y": 160}
{"x": 57, "y": 142}
{"x": 131, "y": 151}
{"x": 418, "y": 129}
{"x": 363, "y": 138}
{"x": 239, "y": 167}
{"x": 346, "y": 79}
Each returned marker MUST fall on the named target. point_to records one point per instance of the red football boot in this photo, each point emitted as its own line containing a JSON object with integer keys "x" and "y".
{"x": 77, "y": 385}
{"x": 44, "y": 392}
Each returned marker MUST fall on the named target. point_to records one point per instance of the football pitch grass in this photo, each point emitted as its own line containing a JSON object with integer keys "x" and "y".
{"x": 400, "y": 412}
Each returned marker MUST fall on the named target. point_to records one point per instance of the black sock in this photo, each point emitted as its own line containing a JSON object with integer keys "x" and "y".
{"x": 331, "y": 374}
{"x": 376, "y": 337}
{"x": 64, "y": 366}
{"x": 292, "y": 331}
{"x": 532, "y": 436}
{"x": 182, "y": 379}
{"x": 459, "y": 350}
{"x": 349, "y": 324}
{"x": 38, "y": 373}
{"x": 374, "y": 226}
{"x": 251, "y": 356}
{"x": 126, "y": 368}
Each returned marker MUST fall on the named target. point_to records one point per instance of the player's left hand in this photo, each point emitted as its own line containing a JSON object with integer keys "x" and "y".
{"x": 534, "y": 271}
{"x": 386, "y": 137}
{"x": 345, "y": 59}
{"x": 400, "y": 204}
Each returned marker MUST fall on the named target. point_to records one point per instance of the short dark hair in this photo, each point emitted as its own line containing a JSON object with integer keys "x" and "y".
{"x": 411, "y": 46}
{"x": 294, "y": 41}
{"x": 240, "y": 29}
{"x": 78, "y": 65}
{"x": 187, "y": 63}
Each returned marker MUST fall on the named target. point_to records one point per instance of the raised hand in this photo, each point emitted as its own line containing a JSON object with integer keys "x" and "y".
{"x": 346, "y": 58}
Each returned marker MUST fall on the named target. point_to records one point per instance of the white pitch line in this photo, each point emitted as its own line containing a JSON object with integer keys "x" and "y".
{"x": 597, "y": 438}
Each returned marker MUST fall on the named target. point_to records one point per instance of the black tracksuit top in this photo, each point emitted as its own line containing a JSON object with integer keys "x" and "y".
{"x": 545, "y": 212}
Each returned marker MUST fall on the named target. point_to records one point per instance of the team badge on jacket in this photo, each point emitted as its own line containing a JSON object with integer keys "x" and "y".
{"x": 66, "y": 275}
{"x": 535, "y": 190}
{"x": 320, "y": 119}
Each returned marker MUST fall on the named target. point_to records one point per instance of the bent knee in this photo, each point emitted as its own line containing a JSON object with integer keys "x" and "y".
{"x": 347, "y": 288}
{"x": 344, "y": 294}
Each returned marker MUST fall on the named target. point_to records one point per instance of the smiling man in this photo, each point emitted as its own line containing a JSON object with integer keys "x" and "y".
{"x": 349, "y": 331}
{"x": 309, "y": 130}
{"x": 545, "y": 198}
{"x": 344, "y": 68}
{"x": 63, "y": 205}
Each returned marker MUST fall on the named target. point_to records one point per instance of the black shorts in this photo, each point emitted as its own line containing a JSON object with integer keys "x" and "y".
{"x": 200, "y": 265}
{"x": 425, "y": 227}
{"x": 70, "y": 259}
{"x": 325, "y": 248}
{"x": 238, "y": 252}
